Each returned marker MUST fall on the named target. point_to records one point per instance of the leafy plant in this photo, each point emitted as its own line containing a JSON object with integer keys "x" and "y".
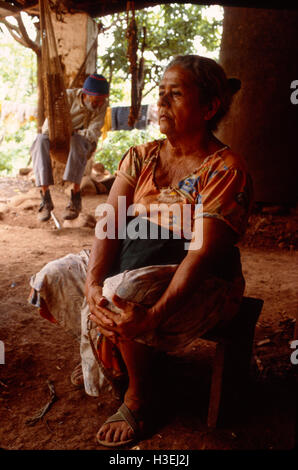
{"x": 5, "y": 163}
{"x": 118, "y": 142}
{"x": 170, "y": 30}
{"x": 15, "y": 148}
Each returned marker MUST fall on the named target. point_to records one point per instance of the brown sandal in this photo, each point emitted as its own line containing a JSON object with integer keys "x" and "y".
{"x": 123, "y": 414}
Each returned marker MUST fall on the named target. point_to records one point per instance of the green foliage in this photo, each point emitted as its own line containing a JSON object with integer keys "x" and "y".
{"x": 171, "y": 30}
{"x": 118, "y": 142}
{"x": 18, "y": 64}
{"x": 18, "y": 78}
{"x": 5, "y": 163}
{"x": 14, "y": 148}
{"x": 17, "y": 72}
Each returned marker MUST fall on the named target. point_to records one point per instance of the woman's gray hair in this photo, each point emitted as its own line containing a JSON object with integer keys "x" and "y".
{"x": 212, "y": 82}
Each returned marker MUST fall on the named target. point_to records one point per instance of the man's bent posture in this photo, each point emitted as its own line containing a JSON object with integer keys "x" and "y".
{"x": 87, "y": 110}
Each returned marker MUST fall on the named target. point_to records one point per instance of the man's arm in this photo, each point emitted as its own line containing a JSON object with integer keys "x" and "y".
{"x": 93, "y": 131}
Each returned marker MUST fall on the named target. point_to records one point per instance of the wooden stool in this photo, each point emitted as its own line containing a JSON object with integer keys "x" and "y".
{"x": 233, "y": 354}
{"x": 296, "y": 327}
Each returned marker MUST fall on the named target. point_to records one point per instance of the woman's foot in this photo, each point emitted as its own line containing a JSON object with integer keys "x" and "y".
{"x": 124, "y": 427}
{"x": 128, "y": 424}
{"x": 119, "y": 386}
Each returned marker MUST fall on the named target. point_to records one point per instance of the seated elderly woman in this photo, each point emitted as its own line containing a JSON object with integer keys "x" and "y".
{"x": 168, "y": 273}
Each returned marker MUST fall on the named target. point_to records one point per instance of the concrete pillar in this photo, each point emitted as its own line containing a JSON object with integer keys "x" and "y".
{"x": 260, "y": 46}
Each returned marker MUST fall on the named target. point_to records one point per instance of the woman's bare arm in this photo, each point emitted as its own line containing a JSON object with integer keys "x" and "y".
{"x": 104, "y": 250}
{"x": 198, "y": 265}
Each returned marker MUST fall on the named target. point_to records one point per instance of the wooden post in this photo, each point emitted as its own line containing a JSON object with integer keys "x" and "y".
{"x": 74, "y": 36}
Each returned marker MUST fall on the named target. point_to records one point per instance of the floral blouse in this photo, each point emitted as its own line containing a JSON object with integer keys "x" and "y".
{"x": 219, "y": 188}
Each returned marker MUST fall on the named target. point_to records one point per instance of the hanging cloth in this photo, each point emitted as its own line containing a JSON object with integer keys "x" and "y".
{"x": 56, "y": 102}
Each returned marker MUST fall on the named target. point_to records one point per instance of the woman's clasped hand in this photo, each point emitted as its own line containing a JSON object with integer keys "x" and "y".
{"x": 130, "y": 321}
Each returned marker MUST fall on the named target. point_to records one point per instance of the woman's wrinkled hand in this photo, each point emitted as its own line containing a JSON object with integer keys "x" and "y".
{"x": 96, "y": 302}
{"x": 133, "y": 321}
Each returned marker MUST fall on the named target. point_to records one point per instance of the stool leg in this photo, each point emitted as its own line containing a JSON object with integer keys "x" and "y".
{"x": 230, "y": 375}
{"x": 232, "y": 358}
{"x": 237, "y": 359}
{"x": 296, "y": 328}
{"x": 216, "y": 385}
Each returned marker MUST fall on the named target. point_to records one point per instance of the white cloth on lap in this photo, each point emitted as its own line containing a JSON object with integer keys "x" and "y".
{"x": 61, "y": 284}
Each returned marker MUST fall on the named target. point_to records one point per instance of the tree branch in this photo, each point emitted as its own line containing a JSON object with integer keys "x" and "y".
{"x": 20, "y": 35}
{"x": 11, "y": 28}
{"x": 9, "y": 25}
{"x": 31, "y": 44}
{"x": 37, "y": 37}
{"x": 147, "y": 92}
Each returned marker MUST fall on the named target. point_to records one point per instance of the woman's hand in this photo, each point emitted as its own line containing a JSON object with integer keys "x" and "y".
{"x": 133, "y": 321}
{"x": 96, "y": 301}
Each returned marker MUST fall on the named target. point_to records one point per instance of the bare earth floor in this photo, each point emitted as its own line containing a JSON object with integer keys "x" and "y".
{"x": 37, "y": 351}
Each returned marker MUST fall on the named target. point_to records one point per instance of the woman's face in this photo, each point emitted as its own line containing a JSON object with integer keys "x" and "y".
{"x": 179, "y": 111}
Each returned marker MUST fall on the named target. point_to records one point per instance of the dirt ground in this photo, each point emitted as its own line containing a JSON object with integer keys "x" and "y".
{"x": 38, "y": 352}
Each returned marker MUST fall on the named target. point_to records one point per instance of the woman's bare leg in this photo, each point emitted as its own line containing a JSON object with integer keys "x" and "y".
{"x": 138, "y": 360}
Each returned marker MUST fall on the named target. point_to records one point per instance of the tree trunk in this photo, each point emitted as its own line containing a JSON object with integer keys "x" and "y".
{"x": 40, "y": 95}
{"x": 259, "y": 46}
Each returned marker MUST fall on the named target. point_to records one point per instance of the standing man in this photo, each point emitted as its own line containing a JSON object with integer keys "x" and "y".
{"x": 87, "y": 110}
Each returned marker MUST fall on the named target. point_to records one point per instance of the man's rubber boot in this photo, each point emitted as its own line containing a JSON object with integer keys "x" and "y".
{"x": 74, "y": 207}
{"x": 46, "y": 206}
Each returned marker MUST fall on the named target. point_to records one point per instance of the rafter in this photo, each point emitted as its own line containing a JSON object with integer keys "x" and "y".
{"x": 6, "y": 9}
{"x": 98, "y": 8}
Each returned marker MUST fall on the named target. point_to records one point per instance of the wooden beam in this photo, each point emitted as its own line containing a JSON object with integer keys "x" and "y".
{"x": 98, "y": 8}
{"x": 107, "y": 7}
{"x": 6, "y": 9}
{"x": 33, "y": 10}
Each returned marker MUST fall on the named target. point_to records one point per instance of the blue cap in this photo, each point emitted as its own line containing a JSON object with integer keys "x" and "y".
{"x": 96, "y": 85}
